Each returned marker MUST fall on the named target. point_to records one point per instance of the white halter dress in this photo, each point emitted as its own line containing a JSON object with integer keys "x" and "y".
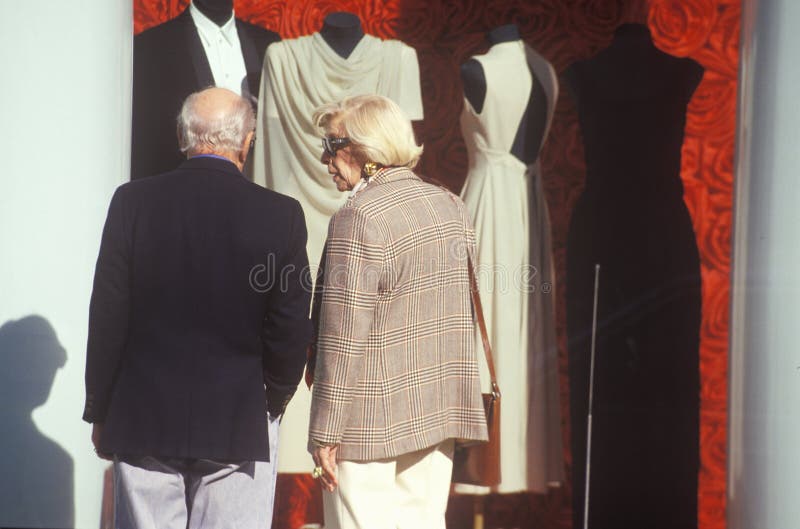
{"x": 515, "y": 268}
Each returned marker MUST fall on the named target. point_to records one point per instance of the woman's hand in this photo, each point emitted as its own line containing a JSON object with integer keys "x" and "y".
{"x": 325, "y": 457}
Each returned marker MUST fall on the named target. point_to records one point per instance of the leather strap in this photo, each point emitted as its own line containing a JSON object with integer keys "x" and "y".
{"x": 487, "y": 347}
{"x": 476, "y": 304}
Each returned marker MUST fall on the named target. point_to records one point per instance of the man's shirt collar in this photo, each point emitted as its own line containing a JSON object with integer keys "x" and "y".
{"x": 207, "y": 29}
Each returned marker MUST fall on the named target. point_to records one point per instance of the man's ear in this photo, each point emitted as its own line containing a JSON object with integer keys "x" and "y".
{"x": 245, "y": 147}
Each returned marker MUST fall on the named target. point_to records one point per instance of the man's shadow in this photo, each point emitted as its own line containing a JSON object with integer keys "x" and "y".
{"x": 36, "y": 489}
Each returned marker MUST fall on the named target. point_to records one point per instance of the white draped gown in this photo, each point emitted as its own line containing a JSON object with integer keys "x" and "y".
{"x": 515, "y": 269}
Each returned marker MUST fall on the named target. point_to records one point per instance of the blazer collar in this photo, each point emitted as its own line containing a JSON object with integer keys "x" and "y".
{"x": 252, "y": 61}
{"x": 211, "y": 164}
{"x": 393, "y": 174}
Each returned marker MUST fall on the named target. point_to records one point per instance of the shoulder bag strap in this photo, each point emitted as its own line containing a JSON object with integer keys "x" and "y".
{"x": 478, "y": 307}
{"x": 487, "y": 347}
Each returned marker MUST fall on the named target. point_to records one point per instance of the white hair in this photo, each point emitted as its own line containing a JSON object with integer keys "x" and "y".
{"x": 378, "y": 129}
{"x": 225, "y": 132}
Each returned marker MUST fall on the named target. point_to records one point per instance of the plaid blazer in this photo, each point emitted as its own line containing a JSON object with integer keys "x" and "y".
{"x": 396, "y": 367}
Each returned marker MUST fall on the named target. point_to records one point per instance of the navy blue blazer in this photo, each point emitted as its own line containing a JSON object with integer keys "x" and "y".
{"x": 201, "y": 297}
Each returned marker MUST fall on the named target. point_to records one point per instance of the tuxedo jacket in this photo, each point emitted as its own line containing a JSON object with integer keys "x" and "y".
{"x": 169, "y": 63}
{"x": 396, "y": 369}
{"x": 201, "y": 298}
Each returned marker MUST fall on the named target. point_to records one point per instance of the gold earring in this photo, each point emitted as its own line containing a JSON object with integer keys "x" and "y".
{"x": 370, "y": 168}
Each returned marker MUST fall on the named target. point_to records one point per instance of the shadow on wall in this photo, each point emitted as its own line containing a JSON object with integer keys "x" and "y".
{"x": 37, "y": 485}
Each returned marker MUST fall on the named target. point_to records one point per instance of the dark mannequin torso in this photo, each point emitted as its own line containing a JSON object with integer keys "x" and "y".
{"x": 624, "y": 90}
{"x": 219, "y": 11}
{"x": 342, "y": 31}
{"x": 529, "y": 136}
{"x": 631, "y": 219}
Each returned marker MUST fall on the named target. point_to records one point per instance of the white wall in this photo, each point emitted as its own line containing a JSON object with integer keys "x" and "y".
{"x": 764, "y": 434}
{"x": 64, "y": 147}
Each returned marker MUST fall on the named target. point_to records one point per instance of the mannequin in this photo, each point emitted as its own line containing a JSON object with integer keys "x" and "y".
{"x": 342, "y": 31}
{"x": 472, "y": 72}
{"x": 531, "y": 128}
{"x": 169, "y": 63}
{"x": 632, "y": 221}
{"x": 219, "y": 11}
{"x": 504, "y": 125}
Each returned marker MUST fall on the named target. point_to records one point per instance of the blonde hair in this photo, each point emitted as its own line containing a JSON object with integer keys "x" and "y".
{"x": 378, "y": 129}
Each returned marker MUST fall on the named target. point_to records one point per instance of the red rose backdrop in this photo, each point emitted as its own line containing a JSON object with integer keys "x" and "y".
{"x": 445, "y": 33}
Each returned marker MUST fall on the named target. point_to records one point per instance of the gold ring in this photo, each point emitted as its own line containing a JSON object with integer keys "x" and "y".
{"x": 316, "y": 473}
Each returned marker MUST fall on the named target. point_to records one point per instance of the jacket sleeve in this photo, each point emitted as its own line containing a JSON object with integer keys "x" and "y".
{"x": 316, "y": 306}
{"x": 108, "y": 311}
{"x": 353, "y": 267}
{"x": 287, "y": 328}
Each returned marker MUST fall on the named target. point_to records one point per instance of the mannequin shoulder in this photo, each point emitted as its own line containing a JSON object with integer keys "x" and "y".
{"x": 472, "y": 72}
{"x": 167, "y": 33}
{"x": 692, "y": 73}
{"x": 474, "y": 81}
{"x": 261, "y": 36}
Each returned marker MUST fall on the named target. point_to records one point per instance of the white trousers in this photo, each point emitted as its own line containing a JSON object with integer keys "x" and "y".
{"x": 407, "y": 492}
{"x": 156, "y": 493}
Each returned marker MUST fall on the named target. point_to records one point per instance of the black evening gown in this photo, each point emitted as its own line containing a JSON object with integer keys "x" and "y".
{"x": 631, "y": 219}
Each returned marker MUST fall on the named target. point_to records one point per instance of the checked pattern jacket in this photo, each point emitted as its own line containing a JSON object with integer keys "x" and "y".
{"x": 396, "y": 367}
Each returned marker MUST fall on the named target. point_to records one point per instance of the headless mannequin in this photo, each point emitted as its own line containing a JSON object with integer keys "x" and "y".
{"x": 632, "y": 50}
{"x": 342, "y": 31}
{"x": 631, "y": 100}
{"x": 530, "y": 134}
{"x": 219, "y": 11}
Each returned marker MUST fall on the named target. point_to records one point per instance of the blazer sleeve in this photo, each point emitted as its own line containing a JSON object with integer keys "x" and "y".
{"x": 353, "y": 267}
{"x": 287, "y": 328}
{"x": 108, "y": 311}
{"x": 316, "y": 306}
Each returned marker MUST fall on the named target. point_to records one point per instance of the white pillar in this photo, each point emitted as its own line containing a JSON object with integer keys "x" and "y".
{"x": 64, "y": 147}
{"x": 764, "y": 432}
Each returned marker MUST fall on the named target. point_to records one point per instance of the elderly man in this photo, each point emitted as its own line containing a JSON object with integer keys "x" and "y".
{"x": 197, "y": 331}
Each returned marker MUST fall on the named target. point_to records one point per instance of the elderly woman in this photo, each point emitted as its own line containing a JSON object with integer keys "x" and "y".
{"x": 396, "y": 379}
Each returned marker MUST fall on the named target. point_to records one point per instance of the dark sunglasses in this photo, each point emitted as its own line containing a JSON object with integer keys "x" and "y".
{"x": 331, "y": 145}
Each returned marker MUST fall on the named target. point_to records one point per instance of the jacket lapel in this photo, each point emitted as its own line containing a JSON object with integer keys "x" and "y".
{"x": 202, "y": 70}
{"x": 252, "y": 63}
{"x": 393, "y": 174}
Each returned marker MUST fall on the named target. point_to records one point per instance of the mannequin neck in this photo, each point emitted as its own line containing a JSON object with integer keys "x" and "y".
{"x": 218, "y": 11}
{"x": 507, "y": 33}
{"x": 632, "y": 30}
{"x": 342, "y": 31}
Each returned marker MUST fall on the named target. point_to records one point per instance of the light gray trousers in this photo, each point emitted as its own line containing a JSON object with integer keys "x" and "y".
{"x": 155, "y": 493}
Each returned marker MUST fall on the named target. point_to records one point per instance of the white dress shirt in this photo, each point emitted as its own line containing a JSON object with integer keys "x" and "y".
{"x": 358, "y": 187}
{"x": 223, "y": 51}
